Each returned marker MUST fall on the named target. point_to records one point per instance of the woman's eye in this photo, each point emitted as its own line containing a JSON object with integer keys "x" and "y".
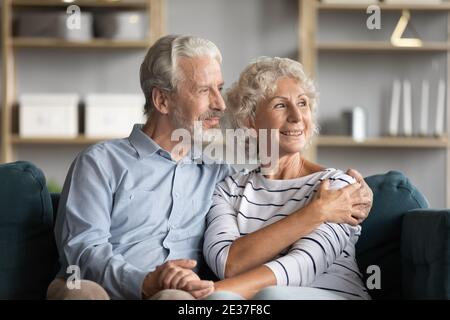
{"x": 278, "y": 106}
{"x": 302, "y": 103}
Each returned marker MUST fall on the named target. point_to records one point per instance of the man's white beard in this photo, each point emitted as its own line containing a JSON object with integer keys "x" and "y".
{"x": 206, "y": 136}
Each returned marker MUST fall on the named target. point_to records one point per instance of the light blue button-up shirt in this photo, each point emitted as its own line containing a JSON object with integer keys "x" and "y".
{"x": 127, "y": 207}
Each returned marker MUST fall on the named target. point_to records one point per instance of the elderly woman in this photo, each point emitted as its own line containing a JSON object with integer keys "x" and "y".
{"x": 298, "y": 261}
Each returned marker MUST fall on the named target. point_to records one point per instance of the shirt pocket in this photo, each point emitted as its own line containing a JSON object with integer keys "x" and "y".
{"x": 194, "y": 218}
{"x": 136, "y": 209}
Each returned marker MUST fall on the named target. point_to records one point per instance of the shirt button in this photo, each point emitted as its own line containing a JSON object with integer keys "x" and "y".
{"x": 176, "y": 194}
{"x": 131, "y": 197}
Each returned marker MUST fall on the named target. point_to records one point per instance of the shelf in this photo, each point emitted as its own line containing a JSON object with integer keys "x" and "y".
{"x": 383, "y": 142}
{"x": 381, "y": 46}
{"x": 421, "y": 7}
{"x": 84, "y": 3}
{"x": 80, "y": 140}
{"x": 95, "y": 43}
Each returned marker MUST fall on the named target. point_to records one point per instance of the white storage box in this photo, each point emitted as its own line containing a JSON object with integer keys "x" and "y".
{"x": 123, "y": 25}
{"x": 53, "y": 25}
{"x": 113, "y": 115}
{"x": 48, "y": 115}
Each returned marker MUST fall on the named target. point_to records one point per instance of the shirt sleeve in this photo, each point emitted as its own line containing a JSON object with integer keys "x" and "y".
{"x": 83, "y": 230}
{"x": 221, "y": 230}
{"x": 312, "y": 255}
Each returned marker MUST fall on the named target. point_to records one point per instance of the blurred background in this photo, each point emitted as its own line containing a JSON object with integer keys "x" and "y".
{"x": 70, "y": 75}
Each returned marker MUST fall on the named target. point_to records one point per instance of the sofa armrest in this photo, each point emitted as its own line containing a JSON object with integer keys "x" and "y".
{"x": 425, "y": 253}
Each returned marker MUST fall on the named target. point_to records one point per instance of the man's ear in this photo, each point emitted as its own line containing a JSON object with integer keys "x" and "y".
{"x": 160, "y": 100}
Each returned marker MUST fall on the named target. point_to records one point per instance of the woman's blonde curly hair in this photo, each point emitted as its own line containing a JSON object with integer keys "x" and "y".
{"x": 258, "y": 81}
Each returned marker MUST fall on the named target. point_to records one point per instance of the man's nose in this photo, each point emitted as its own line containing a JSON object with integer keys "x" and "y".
{"x": 218, "y": 102}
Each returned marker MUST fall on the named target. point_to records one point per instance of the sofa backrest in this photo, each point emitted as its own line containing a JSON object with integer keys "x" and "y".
{"x": 379, "y": 243}
{"x": 28, "y": 259}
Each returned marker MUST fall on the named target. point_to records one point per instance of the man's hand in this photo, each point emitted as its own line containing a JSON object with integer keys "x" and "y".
{"x": 366, "y": 196}
{"x": 176, "y": 274}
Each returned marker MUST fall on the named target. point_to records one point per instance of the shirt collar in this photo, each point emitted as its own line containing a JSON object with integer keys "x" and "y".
{"x": 145, "y": 146}
{"x": 142, "y": 143}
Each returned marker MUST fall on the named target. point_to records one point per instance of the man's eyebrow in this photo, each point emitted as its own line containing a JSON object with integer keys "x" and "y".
{"x": 207, "y": 85}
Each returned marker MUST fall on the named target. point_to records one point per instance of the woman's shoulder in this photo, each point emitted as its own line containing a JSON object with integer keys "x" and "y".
{"x": 319, "y": 172}
{"x": 236, "y": 182}
{"x": 337, "y": 177}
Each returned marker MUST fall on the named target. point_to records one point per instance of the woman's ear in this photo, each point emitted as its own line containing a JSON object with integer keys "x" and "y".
{"x": 160, "y": 100}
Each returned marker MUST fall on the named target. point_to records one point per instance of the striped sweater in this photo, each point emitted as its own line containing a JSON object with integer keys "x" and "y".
{"x": 246, "y": 202}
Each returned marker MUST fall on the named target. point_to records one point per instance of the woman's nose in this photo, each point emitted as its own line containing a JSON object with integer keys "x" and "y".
{"x": 294, "y": 114}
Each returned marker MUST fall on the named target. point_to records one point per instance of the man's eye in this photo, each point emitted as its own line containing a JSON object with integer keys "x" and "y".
{"x": 204, "y": 90}
{"x": 220, "y": 89}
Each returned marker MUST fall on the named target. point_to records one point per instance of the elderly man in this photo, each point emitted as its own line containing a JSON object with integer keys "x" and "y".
{"x": 132, "y": 211}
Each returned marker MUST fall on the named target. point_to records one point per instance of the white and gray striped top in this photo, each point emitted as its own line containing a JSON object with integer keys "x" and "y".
{"x": 247, "y": 201}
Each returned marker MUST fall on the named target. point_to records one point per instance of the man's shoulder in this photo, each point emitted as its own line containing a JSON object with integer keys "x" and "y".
{"x": 106, "y": 148}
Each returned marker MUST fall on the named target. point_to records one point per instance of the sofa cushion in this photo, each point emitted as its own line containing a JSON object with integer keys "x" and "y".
{"x": 426, "y": 254}
{"x": 379, "y": 243}
{"x": 28, "y": 259}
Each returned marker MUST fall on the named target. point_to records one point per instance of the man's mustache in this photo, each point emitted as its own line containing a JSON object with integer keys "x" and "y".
{"x": 211, "y": 114}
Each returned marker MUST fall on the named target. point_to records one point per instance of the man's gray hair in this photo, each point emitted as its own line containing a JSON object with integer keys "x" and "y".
{"x": 159, "y": 68}
{"x": 257, "y": 82}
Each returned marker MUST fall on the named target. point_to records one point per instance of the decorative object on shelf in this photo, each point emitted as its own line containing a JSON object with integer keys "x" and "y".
{"x": 49, "y": 24}
{"x": 423, "y": 130}
{"x": 440, "y": 108}
{"x": 413, "y": 1}
{"x": 112, "y": 115}
{"x": 122, "y": 25}
{"x": 48, "y": 115}
{"x": 355, "y": 123}
{"x": 350, "y": 1}
{"x": 407, "y": 109}
{"x": 395, "y": 108}
{"x": 396, "y": 37}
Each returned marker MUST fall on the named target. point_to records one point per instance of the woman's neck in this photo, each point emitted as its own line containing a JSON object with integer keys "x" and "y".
{"x": 290, "y": 166}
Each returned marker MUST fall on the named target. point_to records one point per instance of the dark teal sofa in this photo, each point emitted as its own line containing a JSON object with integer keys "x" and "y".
{"x": 409, "y": 243}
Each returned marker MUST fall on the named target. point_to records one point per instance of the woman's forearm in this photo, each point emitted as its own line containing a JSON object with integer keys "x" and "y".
{"x": 258, "y": 247}
{"x": 248, "y": 283}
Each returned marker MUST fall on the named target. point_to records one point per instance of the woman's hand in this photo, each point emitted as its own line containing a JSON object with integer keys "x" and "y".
{"x": 342, "y": 205}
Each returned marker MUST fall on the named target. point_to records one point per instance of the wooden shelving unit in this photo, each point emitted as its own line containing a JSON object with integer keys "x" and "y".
{"x": 9, "y": 140}
{"x": 309, "y": 50}
{"x": 80, "y": 140}
{"x": 97, "y": 43}
{"x": 84, "y": 3}
{"x": 383, "y": 142}
{"x": 384, "y": 6}
{"x": 381, "y": 46}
